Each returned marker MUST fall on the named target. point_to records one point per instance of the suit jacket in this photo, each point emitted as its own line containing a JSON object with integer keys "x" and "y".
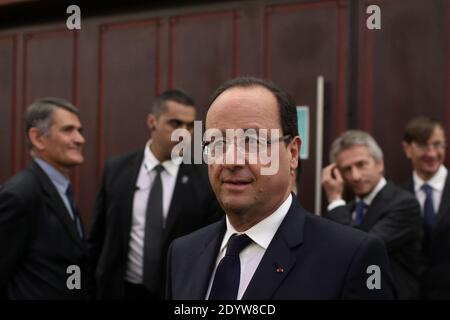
{"x": 393, "y": 216}
{"x": 435, "y": 279}
{"x": 321, "y": 260}
{"x": 193, "y": 206}
{"x": 38, "y": 240}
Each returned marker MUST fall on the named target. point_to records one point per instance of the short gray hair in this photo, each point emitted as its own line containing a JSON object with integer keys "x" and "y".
{"x": 353, "y": 138}
{"x": 40, "y": 115}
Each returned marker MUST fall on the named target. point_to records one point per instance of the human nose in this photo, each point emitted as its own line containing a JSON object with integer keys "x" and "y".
{"x": 233, "y": 154}
{"x": 79, "y": 138}
{"x": 355, "y": 174}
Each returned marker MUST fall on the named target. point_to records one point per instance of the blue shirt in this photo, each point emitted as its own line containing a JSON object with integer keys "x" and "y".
{"x": 59, "y": 181}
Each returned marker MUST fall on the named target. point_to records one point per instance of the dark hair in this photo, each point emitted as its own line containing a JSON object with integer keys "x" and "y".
{"x": 420, "y": 129}
{"x": 286, "y": 105}
{"x": 40, "y": 114}
{"x": 176, "y": 95}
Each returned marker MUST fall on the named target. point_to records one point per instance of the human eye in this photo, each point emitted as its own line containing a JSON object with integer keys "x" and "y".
{"x": 174, "y": 123}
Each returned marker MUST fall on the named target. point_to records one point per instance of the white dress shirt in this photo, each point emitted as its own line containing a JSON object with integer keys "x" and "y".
{"x": 144, "y": 183}
{"x": 250, "y": 257}
{"x": 437, "y": 183}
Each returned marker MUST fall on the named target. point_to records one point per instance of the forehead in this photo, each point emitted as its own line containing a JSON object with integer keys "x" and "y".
{"x": 437, "y": 134}
{"x": 62, "y": 116}
{"x": 352, "y": 155}
{"x": 248, "y": 107}
{"x": 175, "y": 110}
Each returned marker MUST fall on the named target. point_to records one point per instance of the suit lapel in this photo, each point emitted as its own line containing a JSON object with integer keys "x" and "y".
{"x": 444, "y": 207}
{"x": 55, "y": 203}
{"x": 445, "y": 199}
{"x": 278, "y": 259}
{"x": 181, "y": 196}
{"x": 409, "y": 185}
{"x": 126, "y": 187}
{"x": 205, "y": 262}
{"x": 377, "y": 208}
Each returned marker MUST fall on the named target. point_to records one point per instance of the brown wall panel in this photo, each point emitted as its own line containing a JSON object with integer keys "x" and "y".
{"x": 129, "y": 71}
{"x": 49, "y": 64}
{"x": 202, "y": 53}
{"x": 8, "y": 136}
{"x": 304, "y": 41}
{"x": 403, "y": 73}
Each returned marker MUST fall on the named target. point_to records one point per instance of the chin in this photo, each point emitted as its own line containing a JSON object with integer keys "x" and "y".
{"x": 234, "y": 205}
{"x": 75, "y": 161}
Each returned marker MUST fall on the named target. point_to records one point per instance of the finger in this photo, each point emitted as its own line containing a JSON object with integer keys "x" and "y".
{"x": 326, "y": 173}
{"x": 337, "y": 175}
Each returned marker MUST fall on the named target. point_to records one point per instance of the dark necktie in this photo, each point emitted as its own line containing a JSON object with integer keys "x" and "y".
{"x": 76, "y": 215}
{"x": 226, "y": 280}
{"x": 359, "y": 212}
{"x": 429, "y": 217}
{"x": 153, "y": 236}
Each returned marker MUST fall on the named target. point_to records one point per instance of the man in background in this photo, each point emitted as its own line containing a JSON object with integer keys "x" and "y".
{"x": 379, "y": 208}
{"x": 424, "y": 144}
{"x": 42, "y": 241}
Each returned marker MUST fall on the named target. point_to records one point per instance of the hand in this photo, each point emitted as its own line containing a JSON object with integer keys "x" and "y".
{"x": 332, "y": 182}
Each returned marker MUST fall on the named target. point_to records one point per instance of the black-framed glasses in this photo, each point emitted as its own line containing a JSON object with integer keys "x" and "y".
{"x": 248, "y": 144}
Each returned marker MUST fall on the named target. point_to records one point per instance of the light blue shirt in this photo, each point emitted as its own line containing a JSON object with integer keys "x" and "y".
{"x": 59, "y": 181}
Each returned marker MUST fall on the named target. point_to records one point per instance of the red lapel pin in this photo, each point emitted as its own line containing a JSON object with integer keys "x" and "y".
{"x": 280, "y": 270}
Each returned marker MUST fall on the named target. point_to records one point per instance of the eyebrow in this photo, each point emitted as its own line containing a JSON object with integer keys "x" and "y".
{"x": 71, "y": 126}
{"x": 175, "y": 119}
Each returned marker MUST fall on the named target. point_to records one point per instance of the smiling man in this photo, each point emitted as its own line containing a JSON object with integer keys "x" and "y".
{"x": 267, "y": 246}
{"x": 424, "y": 144}
{"x": 379, "y": 208}
{"x": 41, "y": 233}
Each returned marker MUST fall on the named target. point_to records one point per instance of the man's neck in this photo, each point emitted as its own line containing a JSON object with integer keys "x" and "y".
{"x": 426, "y": 176}
{"x": 242, "y": 221}
{"x": 158, "y": 152}
{"x": 63, "y": 170}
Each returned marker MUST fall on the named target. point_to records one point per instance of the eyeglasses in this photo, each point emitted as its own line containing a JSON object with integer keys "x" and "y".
{"x": 246, "y": 144}
{"x": 425, "y": 146}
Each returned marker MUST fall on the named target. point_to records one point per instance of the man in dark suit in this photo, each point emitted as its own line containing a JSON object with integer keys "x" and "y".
{"x": 424, "y": 144}
{"x": 42, "y": 248}
{"x": 268, "y": 246}
{"x": 380, "y": 208}
{"x": 131, "y": 230}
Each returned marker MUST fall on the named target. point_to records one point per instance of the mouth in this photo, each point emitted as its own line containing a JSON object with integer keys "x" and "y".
{"x": 359, "y": 186}
{"x": 236, "y": 184}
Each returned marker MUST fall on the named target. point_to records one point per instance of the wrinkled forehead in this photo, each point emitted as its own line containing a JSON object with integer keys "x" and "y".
{"x": 244, "y": 107}
{"x": 61, "y": 116}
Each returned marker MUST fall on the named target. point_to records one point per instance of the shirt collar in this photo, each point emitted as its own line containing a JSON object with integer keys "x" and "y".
{"x": 150, "y": 161}
{"x": 369, "y": 198}
{"x": 262, "y": 232}
{"x": 437, "y": 182}
{"x": 57, "y": 178}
